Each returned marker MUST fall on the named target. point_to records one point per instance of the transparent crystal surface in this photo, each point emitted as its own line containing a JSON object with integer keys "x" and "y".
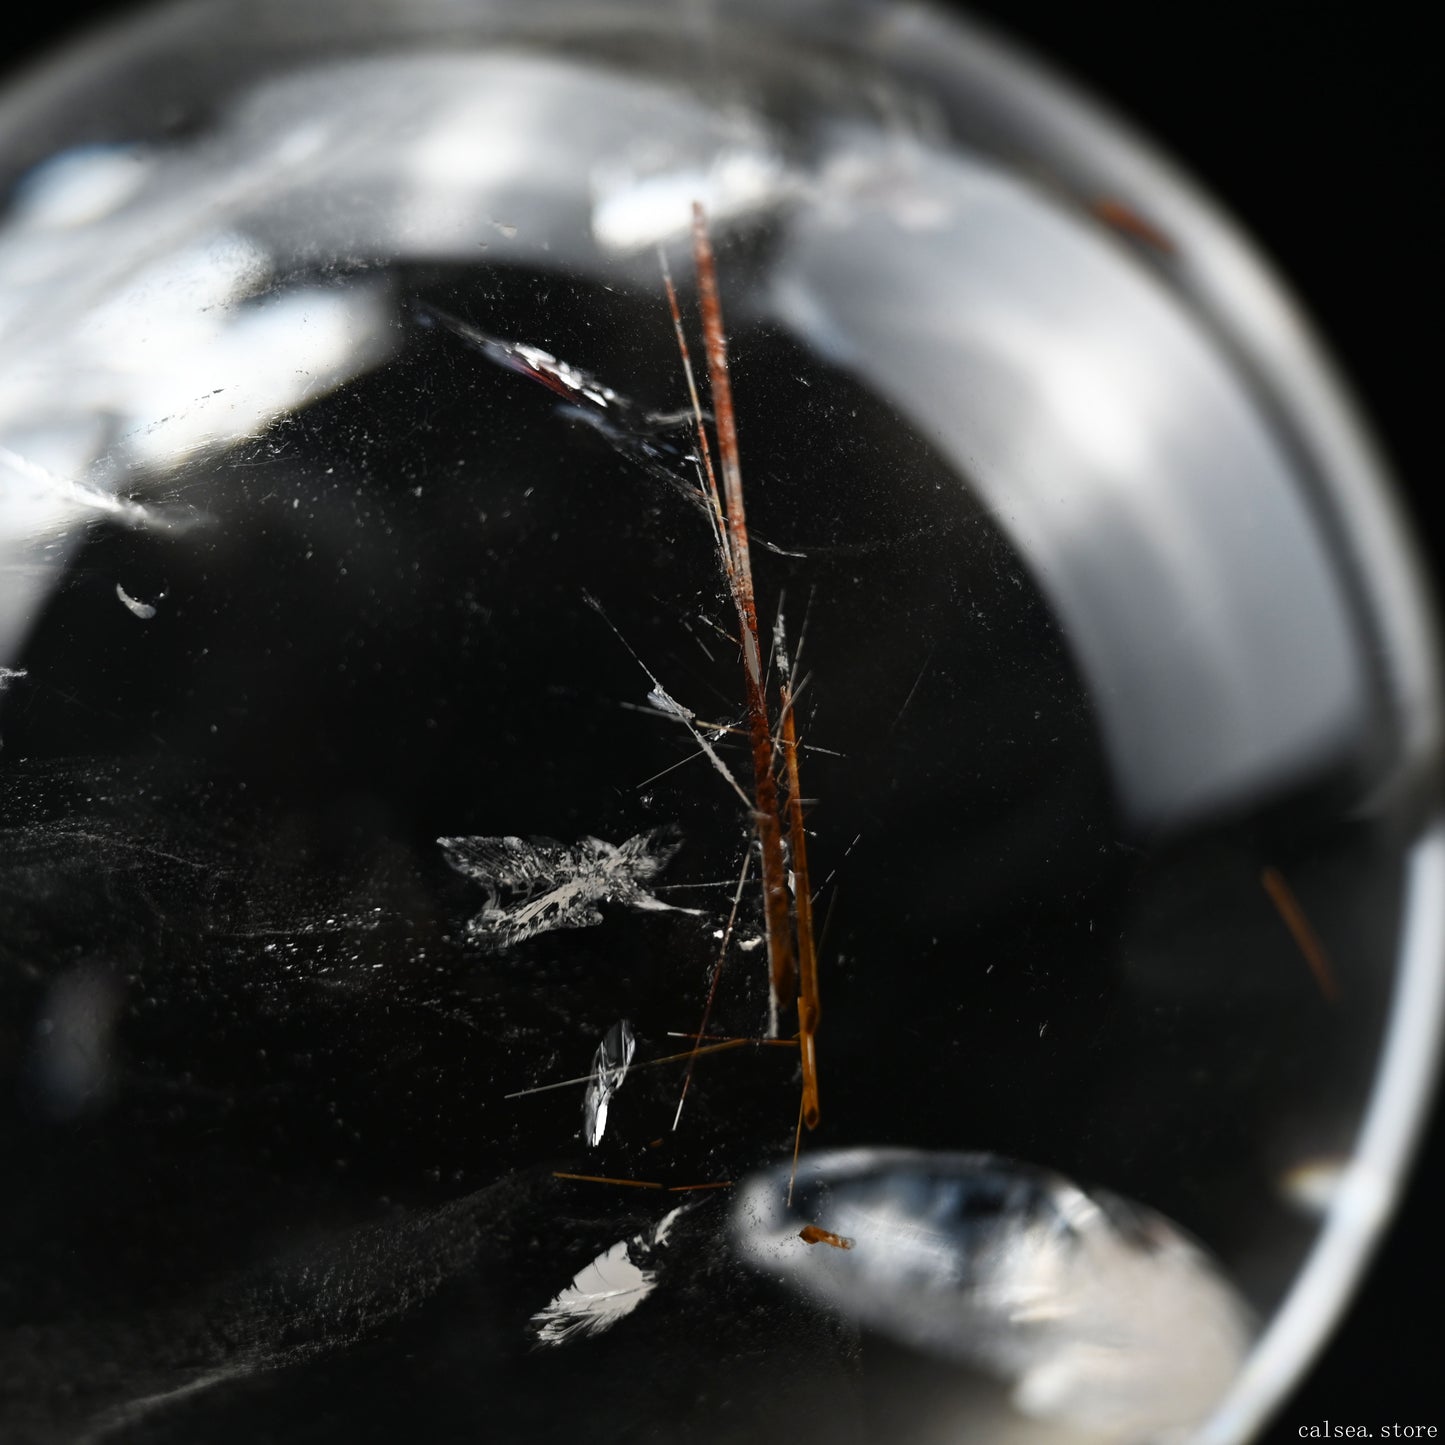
{"x": 359, "y": 617}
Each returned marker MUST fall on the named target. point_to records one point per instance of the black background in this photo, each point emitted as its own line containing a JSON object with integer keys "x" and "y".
{"x": 1317, "y": 126}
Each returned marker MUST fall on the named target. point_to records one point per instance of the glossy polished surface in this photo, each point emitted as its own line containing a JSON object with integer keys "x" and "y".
{"x": 345, "y": 457}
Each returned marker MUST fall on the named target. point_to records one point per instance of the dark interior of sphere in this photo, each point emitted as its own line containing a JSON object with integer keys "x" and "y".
{"x": 221, "y": 837}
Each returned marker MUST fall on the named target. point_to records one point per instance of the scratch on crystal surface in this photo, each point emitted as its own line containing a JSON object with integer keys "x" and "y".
{"x": 609, "y": 1069}
{"x": 535, "y": 885}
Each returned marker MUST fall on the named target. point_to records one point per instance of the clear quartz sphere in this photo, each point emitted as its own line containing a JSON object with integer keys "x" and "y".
{"x": 377, "y": 746}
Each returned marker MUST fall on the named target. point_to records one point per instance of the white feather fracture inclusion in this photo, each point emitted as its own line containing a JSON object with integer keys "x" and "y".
{"x": 607, "y": 1290}
{"x": 609, "y": 1068}
{"x": 534, "y": 885}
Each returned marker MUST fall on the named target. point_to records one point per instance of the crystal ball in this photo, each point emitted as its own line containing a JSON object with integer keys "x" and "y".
{"x": 713, "y": 729}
